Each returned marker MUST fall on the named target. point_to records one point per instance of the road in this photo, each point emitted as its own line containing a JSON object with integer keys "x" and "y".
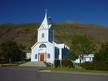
{"x": 32, "y": 74}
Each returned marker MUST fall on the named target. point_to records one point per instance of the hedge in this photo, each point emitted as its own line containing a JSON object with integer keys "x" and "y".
{"x": 103, "y": 66}
{"x": 4, "y": 61}
{"x": 65, "y": 63}
{"x": 57, "y": 63}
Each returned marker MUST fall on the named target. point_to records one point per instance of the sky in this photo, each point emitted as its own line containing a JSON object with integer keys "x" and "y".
{"x": 28, "y": 11}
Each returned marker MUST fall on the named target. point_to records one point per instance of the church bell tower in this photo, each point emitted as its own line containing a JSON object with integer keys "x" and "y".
{"x": 45, "y": 31}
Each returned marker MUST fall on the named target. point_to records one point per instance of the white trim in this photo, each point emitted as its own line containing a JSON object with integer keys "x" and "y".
{"x": 60, "y": 55}
{"x": 42, "y": 29}
{"x": 38, "y": 43}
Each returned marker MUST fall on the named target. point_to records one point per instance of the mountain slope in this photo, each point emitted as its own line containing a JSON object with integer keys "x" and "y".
{"x": 26, "y": 33}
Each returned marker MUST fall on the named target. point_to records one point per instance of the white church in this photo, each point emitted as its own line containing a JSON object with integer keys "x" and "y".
{"x": 46, "y": 49}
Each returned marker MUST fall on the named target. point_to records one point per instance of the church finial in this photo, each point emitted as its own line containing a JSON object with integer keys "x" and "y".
{"x": 46, "y": 12}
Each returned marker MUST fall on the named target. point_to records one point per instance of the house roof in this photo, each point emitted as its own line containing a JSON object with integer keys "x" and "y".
{"x": 88, "y": 55}
{"x": 60, "y": 45}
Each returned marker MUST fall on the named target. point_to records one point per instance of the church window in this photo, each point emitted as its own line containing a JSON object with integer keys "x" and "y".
{"x": 48, "y": 56}
{"x": 42, "y": 46}
{"x": 90, "y": 59}
{"x": 42, "y": 35}
{"x": 36, "y": 56}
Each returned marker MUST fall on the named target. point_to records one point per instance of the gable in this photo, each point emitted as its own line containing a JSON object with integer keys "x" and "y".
{"x": 41, "y": 44}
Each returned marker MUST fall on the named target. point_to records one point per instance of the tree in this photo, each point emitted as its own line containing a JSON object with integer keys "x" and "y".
{"x": 72, "y": 55}
{"x": 102, "y": 55}
{"x": 11, "y": 51}
{"x": 81, "y": 45}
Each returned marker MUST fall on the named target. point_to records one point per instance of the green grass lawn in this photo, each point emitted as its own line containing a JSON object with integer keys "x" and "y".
{"x": 76, "y": 68}
{"x": 20, "y": 62}
{"x": 16, "y": 63}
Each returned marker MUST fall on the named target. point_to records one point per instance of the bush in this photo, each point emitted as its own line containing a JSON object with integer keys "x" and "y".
{"x": 102, "y": 55}
{"x": 57, "y": 63}
{"x": 12, "y": 51}
{"x": 103, "y": 66}
{"x": 67, "y": 63}
{"x": 4, "y": 61}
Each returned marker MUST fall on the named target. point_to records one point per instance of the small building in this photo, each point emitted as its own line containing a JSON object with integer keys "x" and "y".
{"x": 46, "y": 49}
{"x": 86, "y": 58}
{"x": 28, "y": 56}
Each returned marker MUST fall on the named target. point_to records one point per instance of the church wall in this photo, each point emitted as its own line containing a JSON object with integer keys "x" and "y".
{"x": 50, "y": 35}
{"x": 34, "y": 52}
{"x": 48, "y": 50}
{"x": 56, "y": 53}
{"x": 45, "y": 37}
{"x": 65, "y": 53}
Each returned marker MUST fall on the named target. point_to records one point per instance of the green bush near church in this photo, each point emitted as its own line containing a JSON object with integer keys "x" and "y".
{"x": 57, "y": 63}
{"x": 65, "y": 63}
{"x": 102, "y": 66}
{"x": 100, "y": 61}
{"x": 10, "y": 52}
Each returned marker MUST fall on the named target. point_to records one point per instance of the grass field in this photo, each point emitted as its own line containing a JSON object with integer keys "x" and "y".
{"x": 76, "y": 68}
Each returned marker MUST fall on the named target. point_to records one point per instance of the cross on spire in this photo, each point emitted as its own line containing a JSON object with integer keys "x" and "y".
{"x": 46, "y": 10}
{"x": 46, "y": 13}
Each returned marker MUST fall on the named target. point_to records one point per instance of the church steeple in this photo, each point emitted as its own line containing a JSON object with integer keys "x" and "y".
{"x": 45, "y": 32}
{"x": 45, "y": 23}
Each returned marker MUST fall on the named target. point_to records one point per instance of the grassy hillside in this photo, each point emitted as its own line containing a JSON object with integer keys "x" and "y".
{"x": 26, "y": 33}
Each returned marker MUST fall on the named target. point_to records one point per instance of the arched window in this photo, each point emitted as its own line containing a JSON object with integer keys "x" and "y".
{"x": 48, "y": 56}
{"x": 36, "y": 56}
{"x": 42, "y": 35}
{"x": 42, "y": 46}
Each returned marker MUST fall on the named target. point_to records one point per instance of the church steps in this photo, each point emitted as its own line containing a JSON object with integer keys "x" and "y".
{"x": 36, "y": 64}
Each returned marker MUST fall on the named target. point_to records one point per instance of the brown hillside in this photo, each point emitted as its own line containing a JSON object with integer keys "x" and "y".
{"x": 26, "y": 33}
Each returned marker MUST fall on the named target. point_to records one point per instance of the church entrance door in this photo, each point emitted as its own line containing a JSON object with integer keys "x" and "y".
{"x": 41, "y": 57}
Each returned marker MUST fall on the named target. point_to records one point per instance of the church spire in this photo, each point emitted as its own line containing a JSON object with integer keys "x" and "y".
{"x": 46, "y": 13}
{"x": 45, "y": 24}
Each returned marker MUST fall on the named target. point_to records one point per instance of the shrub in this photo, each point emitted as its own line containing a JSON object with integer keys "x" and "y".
{"x": 4, "y": 61}
{"x": 67, "y": 63}
{"x": 95, "y": 66}
{"x": 57, "y": 63}
{"x": 12, "y": 51}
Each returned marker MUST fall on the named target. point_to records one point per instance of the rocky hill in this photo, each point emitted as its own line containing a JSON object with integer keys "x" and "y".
{"x": 26, "y": 33}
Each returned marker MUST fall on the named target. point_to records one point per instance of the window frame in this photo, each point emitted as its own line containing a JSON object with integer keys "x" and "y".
{"x": 43, "y": 35}
{"x": 36, "y": 56}
{"x": 42, "y": 46}
{"x": 48, "y": 56}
